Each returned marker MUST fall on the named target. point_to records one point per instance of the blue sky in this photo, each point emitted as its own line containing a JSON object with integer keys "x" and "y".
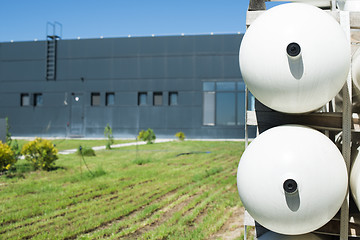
{"x": 25, "y": 20}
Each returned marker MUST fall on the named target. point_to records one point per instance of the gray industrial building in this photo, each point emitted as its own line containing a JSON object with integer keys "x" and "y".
{"x": 74, "y": 88}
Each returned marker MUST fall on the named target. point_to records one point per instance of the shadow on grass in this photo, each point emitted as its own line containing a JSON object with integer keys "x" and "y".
{"x": 19, "y": 170}
{"x": 22, "y": 168}
{"x": 57, "y": 168}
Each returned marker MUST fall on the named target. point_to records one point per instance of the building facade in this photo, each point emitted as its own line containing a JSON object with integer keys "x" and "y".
{"x": 74, "y": 88}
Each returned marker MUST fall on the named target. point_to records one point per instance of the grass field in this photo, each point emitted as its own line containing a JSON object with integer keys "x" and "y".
{"x": 149, "y": 193}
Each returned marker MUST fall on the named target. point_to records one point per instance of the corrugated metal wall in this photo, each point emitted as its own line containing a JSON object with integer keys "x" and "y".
{"x": 123, "y": 68}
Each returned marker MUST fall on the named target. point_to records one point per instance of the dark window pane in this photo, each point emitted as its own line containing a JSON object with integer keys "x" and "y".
{"x": 209, "y": 108}
{"x": 110, "y": 99}
{"x": 25, "y": 99}
{"x": 38, "y": 99}
{"x": 251, "y": 102}
{"x": 173, "y": 98}
{"x": 142, "y": 98}
{"x": 225, "y": 86}
{"x": 208, "y": 86}
{"x": 157, "y": 99}
{"x": 95, "y": 99}
{"x": 225, "y": 109}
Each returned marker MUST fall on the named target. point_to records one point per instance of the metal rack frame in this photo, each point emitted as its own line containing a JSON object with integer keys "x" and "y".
{"x": 327, "y": 121}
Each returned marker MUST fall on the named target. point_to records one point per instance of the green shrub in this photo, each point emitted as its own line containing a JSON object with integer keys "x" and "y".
{"x": 7, "y": 157}
{"x": 110, "y": 138}
{"x": 41, "y": 153}
{"x": 147, "y": 136}
{"x": 86, "y": 151}
{"x": 16, "y": 148}
{"x": 180, "y": 135}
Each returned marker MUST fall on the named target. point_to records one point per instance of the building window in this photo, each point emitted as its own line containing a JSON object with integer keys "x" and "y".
{"x": 208, "y": 86}
{"x": 157, "y": 97}
{"x": 225, "y": 86}
{"x": 241, "y": 86}
{"x": 225, "y": 108}
{"x": 95, "y": 99}
{"x": 38, "y": 99}
{"x": 25, "y": 99}
{"x": 209, "y": 108}
{"x": 224, "y": 103}
{"x": 173, "y": 98}
{"x": 110, "y": 99}
{"x": 142, "y": 98}
{"x": 251, "y": 102}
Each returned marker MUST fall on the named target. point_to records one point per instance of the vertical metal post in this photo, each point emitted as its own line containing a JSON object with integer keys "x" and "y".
{"x": 245, "y": 232}
{"x": 254, "y": 5}
{"x": 60, "y": 25}
{"x": 246, "y": 117}
{"x": 47, "y": 28}
{"x": 333, "y": 5}
{"x": 346, "y": 127}
{"x": 346, "y": 151}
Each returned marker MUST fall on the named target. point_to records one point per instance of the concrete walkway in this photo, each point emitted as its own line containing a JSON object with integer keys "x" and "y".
{"x": 64, "y": 152}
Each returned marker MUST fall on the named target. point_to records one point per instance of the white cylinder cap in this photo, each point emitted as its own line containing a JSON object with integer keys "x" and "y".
{"x": 304, "y": 82}
{"x": 292, "y": 179}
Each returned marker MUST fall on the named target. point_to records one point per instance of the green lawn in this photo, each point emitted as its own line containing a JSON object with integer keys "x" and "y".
{"x": 149, "y": 193}
{"x": 64, "y": 144}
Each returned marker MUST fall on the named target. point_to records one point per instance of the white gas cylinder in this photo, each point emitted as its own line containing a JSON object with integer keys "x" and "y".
{"x": 292, "y": 179}
{"x": 276, "y": 236}
{"x": 355, "y": 68}
{"x": 294, "y": 58}
{"x": 355, "y": 179}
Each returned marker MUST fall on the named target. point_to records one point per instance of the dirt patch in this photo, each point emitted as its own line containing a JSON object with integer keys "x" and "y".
{"x": 199, "y": 219}
{"x": 169, "y": 212}
{"x": 233, "y": 227}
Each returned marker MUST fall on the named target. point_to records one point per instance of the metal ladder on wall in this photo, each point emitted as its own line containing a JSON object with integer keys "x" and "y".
{"x": 51, "y": 47}
{"x": 51, "y": 58}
